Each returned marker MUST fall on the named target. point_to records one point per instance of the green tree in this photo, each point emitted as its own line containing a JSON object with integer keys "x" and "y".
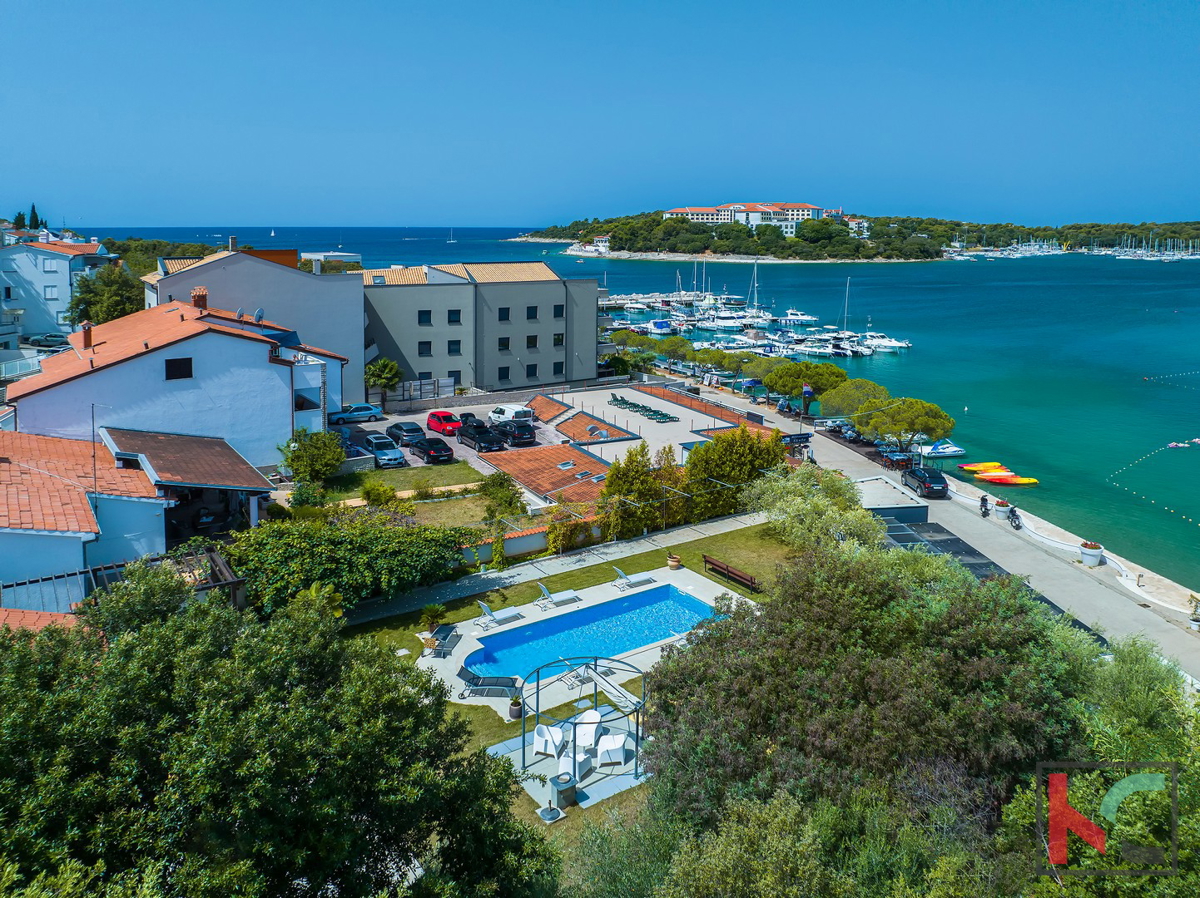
{"x": 809, "y": 507}
{"x": 383, "y": 375}
{"x": 631, "y": 494}
{"x": 790, "y": 379}
{"x": 504, "y": 497}
{"x": 621, "y": 338}
{"x": 313, "y": 457}
{"x": 718, "y": 470}
{"x": 226, "y": 754}
{"x": 675, "y": 348}
{"x": 905, "y": 420}
{"x": 19, "y": 222}
{"x": 34, "y": 221}
{"x": 854, "y": 397}
{"x": 110, "y": 293}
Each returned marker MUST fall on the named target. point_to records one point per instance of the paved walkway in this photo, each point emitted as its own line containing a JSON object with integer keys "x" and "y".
{"x": 474, "y": 584}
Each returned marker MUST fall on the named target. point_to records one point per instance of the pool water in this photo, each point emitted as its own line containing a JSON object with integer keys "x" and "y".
{"x": 606, "y": 630}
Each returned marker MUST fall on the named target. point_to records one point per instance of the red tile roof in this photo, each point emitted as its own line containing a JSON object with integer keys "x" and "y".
{"x": 576, "y": 428}
{"x": 19, "y": 619}
{"x": 537, "y": 469}
{"x": 180, "y": 460}
{"x": 69, "y": 249}
{"x": 45, "y": 482}
{"x": 137, "y": 334}
{"x": 545, "y": 408}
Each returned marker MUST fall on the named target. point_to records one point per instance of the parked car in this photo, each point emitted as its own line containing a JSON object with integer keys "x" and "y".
{"x": 479, "y": 437}
{"x": 432, "y": 450}
{"x": 443, "y": 422}
{"x": 352, "y": 414}
{"x": 510, "y": 413}
{"x": 467, "y": 417}
{"x": 925, "y": 482}
{"x": 48, "y": 340}
{"x": 516, "y": 433}
{"x": 387, "y": 453}
{"x": 405, "y": 433}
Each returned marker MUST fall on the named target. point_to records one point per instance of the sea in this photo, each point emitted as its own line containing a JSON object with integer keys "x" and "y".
{"x": 1077, "y": 370}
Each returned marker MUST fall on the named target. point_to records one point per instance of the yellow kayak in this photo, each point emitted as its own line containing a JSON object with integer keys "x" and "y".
{"x": 981, "y": 466}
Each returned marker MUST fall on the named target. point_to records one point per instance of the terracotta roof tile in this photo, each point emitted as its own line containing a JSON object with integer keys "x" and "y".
{"x": 545, "y": 408}
{"x": 170, "y": 266}
{"x": 576, "y": 428}
{"x": 69, "y": 249}
{"x": 393, "y": 276}
{"x": 20, "y": 619}
{"x": 45, "y": 482}
{"x": 537, "y": 469}
{"x": 179, "y": 460}
{"x": 509, "y": 272}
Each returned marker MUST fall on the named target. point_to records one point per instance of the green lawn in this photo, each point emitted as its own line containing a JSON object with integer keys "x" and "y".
{"x": 464, "y": 512}
{"x": 348, "y": 486}
{"x": 751, "y": 549}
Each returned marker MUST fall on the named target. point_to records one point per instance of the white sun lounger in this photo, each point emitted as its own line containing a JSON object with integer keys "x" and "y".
{"x": 627, "y": 581}
{"x": 495, "y": 618}
{"x": 556, "y": 598}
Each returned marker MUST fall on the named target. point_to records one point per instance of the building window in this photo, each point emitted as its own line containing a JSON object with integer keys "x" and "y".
{"x": 531, "y": 341}
{"x": 425, "y": 316}
{"x": 560, "y": 339}
{"x": 179, "y": 369}
{"x": 502, "y": 313}
{"x": 50, "y": 291}
{"x": 49, "y": 264}
{"x": 559, "y": 368}
{"x": 454, "y": 316}
{"x": 503, "y": 344}
{"x": 531, "y": 371}
{"x": 424, "y": 375}
{"x": 8, "y": 292}
{"x": 560, "y": 310}
{"x": 455, "y": 376}
{"x": 378, "y": 280}
{"x": 62, "y": 317}
{"x": 425, "y": 348}
{"x": 502, "y": 373}
{"x": 454, "y": 347}
{"x": 531, "y": 313}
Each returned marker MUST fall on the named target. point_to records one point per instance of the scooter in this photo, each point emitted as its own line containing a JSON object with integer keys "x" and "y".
{"x": 1014, "y": 519}
{"x": 984, "y": 508}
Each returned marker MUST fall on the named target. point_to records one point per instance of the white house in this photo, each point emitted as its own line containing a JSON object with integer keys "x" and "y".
{"x": 184, "y": 368}
{"x": 37, "y": 281}
{"x": 331, "y": 305}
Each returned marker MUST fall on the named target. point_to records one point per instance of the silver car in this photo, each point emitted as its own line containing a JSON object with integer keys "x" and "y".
{"x": 387, "y": 454}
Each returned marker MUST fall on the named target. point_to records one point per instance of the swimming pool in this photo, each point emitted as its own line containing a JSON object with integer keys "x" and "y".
{"x": 606, "y": 629}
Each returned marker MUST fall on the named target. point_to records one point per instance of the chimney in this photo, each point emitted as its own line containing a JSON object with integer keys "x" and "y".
{"x": 233, "y": 244}
{"x": 316, "y": 266}
{"x": 86, "y": 328}
{"x": 200, "y": 297}
{"x": 95, "y": 240}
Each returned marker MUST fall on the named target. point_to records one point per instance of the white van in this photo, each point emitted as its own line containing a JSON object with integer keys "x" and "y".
{"x": 510, "y": 413}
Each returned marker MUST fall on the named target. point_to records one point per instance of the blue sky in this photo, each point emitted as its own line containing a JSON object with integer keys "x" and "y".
{"x": 385, "y": 113}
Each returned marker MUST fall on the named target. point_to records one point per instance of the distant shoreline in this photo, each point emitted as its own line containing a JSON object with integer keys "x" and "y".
{"x": 699, "y": 257}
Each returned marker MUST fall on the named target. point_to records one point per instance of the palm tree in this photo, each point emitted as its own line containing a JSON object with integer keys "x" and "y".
{"x": 383, "y": 375}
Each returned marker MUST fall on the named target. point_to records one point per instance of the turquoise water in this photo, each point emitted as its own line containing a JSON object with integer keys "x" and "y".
{"x": 604, "y": 630}
{"x": 1049, "y": 357}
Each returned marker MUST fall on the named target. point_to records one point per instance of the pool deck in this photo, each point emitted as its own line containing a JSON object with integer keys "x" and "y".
{"x": 563, "y": 688}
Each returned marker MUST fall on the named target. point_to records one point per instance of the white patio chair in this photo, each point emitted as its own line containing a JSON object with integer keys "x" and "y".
{"x": 611, "y": 749}
{"x": 548, "y": 740}
{"x": 587, "y": 729}
{"x": 578, "y": 764}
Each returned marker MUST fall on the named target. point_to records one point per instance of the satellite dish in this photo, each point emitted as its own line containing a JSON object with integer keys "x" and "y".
{"x": 258, "y": 316}
{"x": 239, "y": 314}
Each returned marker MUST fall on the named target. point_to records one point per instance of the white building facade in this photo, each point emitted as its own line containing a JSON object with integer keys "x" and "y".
{"x": 37, "y": 281}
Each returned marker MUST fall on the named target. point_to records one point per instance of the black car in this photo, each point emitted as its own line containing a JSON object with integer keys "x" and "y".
{"x": 431, "y": 450}
{"x": 925, "y": 482}
{"x": 405, "y": 433}
{"x": 479, "y": 437}
{"x": 467, "y": 417}
{"x": 516, "y": 433}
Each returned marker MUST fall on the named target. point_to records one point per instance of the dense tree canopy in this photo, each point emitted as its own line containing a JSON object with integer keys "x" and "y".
{"x": 854, "y": 396}
{"x": 905, "y": 420}
{"x": 790, "y": 379}
{"x": 110, "y": 293}
{"x": 210, "y": 753}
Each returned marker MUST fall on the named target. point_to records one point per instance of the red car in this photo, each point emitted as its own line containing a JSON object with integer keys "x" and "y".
{"x": 443, "y": 422}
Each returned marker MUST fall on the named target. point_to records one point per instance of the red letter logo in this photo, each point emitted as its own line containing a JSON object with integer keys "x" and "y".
{"x": 1064, "y": 819}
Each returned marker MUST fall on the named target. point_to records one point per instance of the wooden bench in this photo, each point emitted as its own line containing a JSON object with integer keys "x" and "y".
{"x": 710, "y": 563}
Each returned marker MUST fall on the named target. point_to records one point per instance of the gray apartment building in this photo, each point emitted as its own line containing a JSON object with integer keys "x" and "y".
{"x": 491, "y": 325}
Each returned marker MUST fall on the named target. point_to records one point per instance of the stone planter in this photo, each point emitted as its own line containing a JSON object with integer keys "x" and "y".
{"x": 1001, "y": 511}
{"x": 1194, "y": 623}
{"x": 1091, "y": 557}
{"x": 514, "y": 711}
{"x": 674, "y": 562}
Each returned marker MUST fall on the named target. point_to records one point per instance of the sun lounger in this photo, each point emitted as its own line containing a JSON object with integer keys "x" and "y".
{"x": 495, "y": 618}
{"x": 494, "y": 686}
{"x": 556, "y": 598}
{"x": 587, "y": 729}
{"x": 625, "y": 581}
{"x": 548, "y": 740}
{"x": 441, "y": 642}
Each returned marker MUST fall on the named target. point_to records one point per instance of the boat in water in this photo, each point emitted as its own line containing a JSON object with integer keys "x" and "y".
{"x": 943, "y": 449}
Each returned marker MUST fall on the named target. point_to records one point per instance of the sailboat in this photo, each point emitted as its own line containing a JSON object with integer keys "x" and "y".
{"x": 452, "y": 240}
{"x": 272, "y": 232}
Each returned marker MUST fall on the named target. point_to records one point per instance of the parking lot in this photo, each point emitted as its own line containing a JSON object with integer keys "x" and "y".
{"x": 359, "y": 432}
